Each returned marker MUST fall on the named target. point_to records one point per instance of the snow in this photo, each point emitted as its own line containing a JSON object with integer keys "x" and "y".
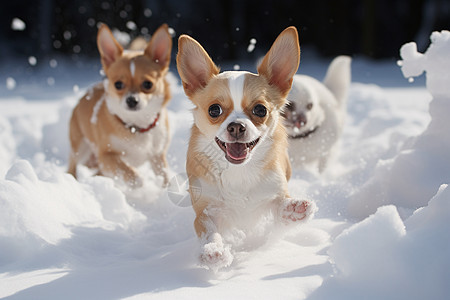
{"x": 131, "y": 25}
{"x": 381, "y": 231}
{"x": 53, "y": 63}
{"x": 32, "y": 60}
{"x": 18, "y": 25}
{"x": 147, "y": 12}
{"x": 10, "y": 83}
{"x": 424, "y": 161}
{"x": 251, "y": 45}
{"x": 383, "y": 257}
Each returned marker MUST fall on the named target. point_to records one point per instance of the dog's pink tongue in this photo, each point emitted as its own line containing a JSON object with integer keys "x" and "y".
{"x": 237, "y": 151}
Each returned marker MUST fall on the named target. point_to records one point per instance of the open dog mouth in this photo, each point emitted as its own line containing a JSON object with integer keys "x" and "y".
{"x": 236, "y": 153}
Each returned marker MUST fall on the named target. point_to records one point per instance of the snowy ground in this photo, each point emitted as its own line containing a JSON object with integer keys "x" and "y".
{"x": 63, "y": 239}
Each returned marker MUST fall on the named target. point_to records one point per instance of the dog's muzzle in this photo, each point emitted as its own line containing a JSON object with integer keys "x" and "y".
{"x": 132, "y": 102}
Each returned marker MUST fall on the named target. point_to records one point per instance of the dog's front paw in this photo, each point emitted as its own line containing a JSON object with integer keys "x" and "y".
{"x": 136, "y": 182}
{"x": 215, "y": 255}
{"x": 132, "y": 179}
{"x": 294, "y": 210}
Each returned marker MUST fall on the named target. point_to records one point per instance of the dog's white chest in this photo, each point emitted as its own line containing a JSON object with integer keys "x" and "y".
{"x": 138, "y": 148}
{"x": 248, "y": 187}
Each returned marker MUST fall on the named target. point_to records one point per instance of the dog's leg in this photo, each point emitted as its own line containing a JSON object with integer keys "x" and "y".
{"x": 214, "y": 253}
{"x": 295, "y": 210}
{"x": 160, "y": 167}
{"x": 72, "y": 164}
{"x": 76, "y": 139}
{"x": 83, "y": 155}
{"x": 111, "y": 164}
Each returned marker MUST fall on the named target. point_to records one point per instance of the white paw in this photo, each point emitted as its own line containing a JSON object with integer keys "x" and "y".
{"x": 215, "y": 255}
{"x": 294, "y": 210}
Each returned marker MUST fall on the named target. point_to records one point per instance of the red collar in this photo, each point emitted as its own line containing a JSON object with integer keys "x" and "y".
{"x": 141, "y": 130}
{"x": 134, "y": 128}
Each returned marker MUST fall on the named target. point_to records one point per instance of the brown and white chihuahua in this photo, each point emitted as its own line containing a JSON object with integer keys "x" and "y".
{"x": 122, "y": 122}
{"x": 237, "y": 160}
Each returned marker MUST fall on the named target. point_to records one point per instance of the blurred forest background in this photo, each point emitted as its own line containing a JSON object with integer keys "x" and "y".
{"x": 372, "y": 28}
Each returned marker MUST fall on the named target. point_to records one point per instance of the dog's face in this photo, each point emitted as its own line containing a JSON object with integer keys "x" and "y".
{"x": 135, "y": 85}
{"x": 302, "y": 113}
{"x": 238, "y": 111}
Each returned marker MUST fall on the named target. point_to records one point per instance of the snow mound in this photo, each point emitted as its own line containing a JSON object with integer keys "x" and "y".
{"x": 40, "y": 211}
{"x": 410, "y": 178}
{"x": 383, "y": 257}
{"x": 386, "y": 256}
{"x": 434, "y": 61}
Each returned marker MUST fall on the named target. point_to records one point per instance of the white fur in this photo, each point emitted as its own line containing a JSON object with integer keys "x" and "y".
{"x": 305, "y": 92}
{"x": 132, "y": 67}
{"x": 327, "y": 115}
{"x": 236, "y": 81}
{"x": 96, "y": 110}
{"x": 242, "y": 204}
{"x": 141, "y": 147}
{"x": 129, "y": 52}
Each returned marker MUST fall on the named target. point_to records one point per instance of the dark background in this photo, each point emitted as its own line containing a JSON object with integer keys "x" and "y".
{"x": 372, "y": 28}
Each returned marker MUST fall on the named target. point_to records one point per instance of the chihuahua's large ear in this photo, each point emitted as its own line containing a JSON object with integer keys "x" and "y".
{"x": 194, "y": 65}
{"x": 108, "y": 47}
{"x": 159, "y": 48}
{"x": 281, "y": 62}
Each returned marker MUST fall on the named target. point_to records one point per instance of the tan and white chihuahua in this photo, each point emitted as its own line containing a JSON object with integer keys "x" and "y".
{"x": 122, "y": 122}
{"x": 237, "y": 160}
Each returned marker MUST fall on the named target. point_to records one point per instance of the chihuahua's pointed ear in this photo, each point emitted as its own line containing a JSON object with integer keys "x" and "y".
{"x": 159, "y": 48}
{"x": 194, "y": 65}
{"x": 281, "y": 62}
{"x": 108, "y": 47}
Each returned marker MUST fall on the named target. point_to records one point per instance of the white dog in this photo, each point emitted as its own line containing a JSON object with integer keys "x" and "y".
{"x": 315, "y": 113}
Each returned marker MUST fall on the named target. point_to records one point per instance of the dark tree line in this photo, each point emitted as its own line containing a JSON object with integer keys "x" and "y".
{"x": 369, "y": 27}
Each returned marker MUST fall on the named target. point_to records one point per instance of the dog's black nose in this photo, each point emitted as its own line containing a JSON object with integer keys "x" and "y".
{"x": 236, "y": 130}
{"x": 132, "y": 102}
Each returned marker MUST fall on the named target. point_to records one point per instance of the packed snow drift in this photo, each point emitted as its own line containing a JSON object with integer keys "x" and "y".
{"x": 381, "y": 231}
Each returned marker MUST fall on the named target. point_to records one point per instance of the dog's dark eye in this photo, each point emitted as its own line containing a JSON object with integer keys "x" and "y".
{"x": 309, "y": 106}
{"x": 147, "y": 85}
{"x": 260, "y": 111}
{"x": 119, "y": 85}
{"x": 215, "y": 110}
{"x": 290, "y": 106}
